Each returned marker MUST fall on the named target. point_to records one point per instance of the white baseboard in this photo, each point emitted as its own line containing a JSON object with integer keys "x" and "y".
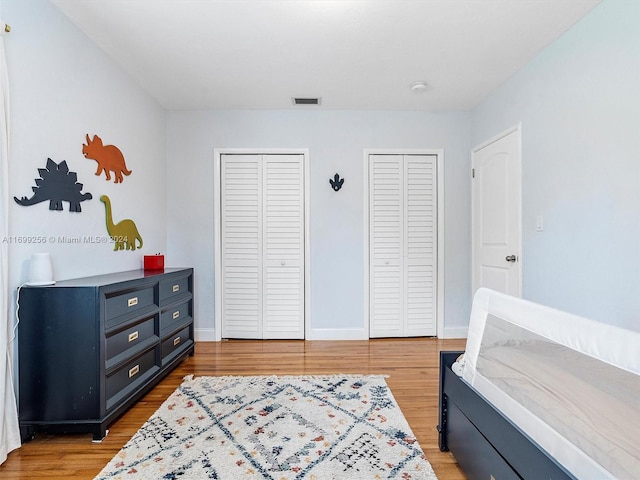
{"x": 338, "y": 334}
{"x": 209, "y": 334}
{"x": 204, "y": 335}
{"x": 455, "y": 332}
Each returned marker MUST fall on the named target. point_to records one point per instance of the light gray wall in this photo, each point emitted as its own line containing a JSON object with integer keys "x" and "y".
{"x": 577, "y": 101}
{"x": 62, "y": 86}
{"x": 336, "y": 141}
{"x": 579, "y": 104}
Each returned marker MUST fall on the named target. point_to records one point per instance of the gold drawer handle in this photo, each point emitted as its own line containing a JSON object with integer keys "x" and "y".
{"x": 176, "y": 341}
{"x": 132, "y": 301}
{"x": 176, "y": 314}
{"x": 175, "y": 288}
{"x": 134, "y": 371}
{"x": 133, "y": 336}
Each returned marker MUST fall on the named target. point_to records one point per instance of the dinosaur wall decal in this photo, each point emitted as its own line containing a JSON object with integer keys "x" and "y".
{"x": 56, "y": 184}
{"x": 109, "y": 158}
{"x": 337, "y": 182}
{"x": 124, "y": 233}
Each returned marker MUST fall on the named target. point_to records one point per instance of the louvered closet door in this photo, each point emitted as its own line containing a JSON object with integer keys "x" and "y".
{"x": 402, "y": 240}
{"x": 241, "y": 233}
{"x": 262, "y": 246}
{"x": 386, "y": 245}
{"x": 420, "y": 239}
{"x": 283, "y": 281}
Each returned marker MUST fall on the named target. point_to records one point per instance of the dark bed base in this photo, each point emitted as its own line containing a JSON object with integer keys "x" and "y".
{"x": 484, "y": 442}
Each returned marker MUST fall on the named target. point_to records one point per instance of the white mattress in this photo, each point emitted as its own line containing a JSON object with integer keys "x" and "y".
{"x": 571, "y": 384}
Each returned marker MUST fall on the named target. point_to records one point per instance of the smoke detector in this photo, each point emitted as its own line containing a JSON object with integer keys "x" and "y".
{"x": 420, "y": 86}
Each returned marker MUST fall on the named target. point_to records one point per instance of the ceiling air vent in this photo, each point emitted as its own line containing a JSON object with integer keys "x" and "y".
{"x": 306, "y": 101}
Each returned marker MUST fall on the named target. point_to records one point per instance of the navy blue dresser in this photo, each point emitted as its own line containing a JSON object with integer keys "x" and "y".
{"x": 88, "y": 348}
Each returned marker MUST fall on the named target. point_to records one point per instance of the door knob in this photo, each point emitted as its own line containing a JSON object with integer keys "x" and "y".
{"x": 511, "y": 258}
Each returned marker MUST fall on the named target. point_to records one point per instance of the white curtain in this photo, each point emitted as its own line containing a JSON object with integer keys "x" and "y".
{"x": 9, "y": 429}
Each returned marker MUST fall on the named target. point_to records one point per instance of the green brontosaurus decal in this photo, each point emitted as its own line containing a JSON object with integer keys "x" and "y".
{"x": 124, "y": 233}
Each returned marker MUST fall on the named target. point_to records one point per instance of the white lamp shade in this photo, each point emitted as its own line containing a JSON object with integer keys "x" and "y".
{"x": 40, "y": 270}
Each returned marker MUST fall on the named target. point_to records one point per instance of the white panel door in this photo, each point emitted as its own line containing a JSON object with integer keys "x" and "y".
{"x": 402, "y": 241}
{"x": 262, "y": 246}
{"x": 496, "y": 215}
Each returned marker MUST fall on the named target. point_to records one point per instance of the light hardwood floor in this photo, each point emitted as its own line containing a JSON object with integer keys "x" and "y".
{"x": 412, "y": 366}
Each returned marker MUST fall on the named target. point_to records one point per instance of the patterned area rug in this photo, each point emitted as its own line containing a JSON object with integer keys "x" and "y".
{"x": 280, "y": 428}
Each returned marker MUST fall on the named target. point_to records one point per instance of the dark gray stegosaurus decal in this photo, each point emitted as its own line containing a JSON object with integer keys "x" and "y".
{"x": 56, "y": 184}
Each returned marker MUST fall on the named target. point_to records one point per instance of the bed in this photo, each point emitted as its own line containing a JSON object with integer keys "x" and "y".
{"x": 541, "y": 394}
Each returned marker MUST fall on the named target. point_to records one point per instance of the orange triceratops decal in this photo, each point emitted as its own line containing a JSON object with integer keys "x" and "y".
{"x": 109, "y": 158}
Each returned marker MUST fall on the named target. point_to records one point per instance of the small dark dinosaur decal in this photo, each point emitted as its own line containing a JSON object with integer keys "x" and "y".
{"x": 337, "y": 182}
{"x": 56, "y": 184}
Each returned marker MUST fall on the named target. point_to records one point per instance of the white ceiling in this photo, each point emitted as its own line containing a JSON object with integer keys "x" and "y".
{"x": 355, "y": 54}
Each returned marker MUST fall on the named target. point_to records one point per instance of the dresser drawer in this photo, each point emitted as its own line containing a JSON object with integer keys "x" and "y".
{"x": 131, "y": 338}
{"x": 171, "y": 288}
{"x": 123, "y": 303}
{"x": 129, "y": 375}
{"x": 174, "y": 316}
{"x": 176, "y": 342}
